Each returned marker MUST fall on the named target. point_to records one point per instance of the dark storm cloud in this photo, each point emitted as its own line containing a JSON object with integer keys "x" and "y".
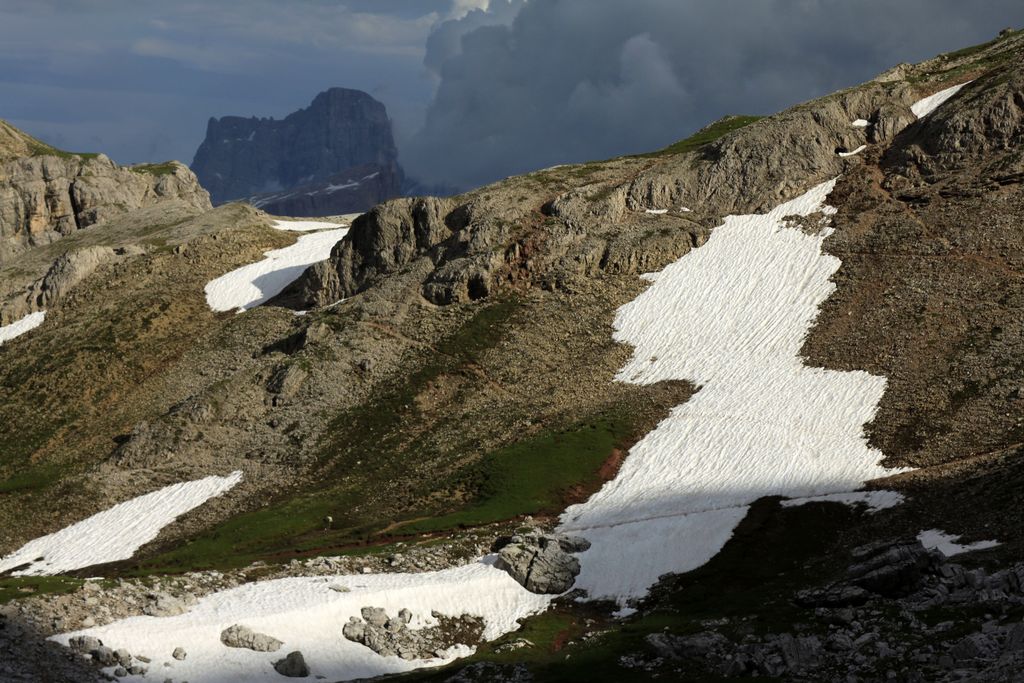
{"x": 571, "y": 80}
{"x": 139, "y": 78}
{"x": 503, "y": 85}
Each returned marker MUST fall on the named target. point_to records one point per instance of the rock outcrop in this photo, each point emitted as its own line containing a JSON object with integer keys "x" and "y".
{"x": 301, "y": 164}
{"x": 392, "y": 637}
{"x": 542, "y": 563}
{"x": 46, "y": 194}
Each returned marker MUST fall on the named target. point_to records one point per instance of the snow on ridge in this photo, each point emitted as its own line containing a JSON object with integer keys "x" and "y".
{"x": 308, "y": 616}
{"x": 927, "y": 105}
{"x": 306, "y": 226}
{"x": 730, "y": 316}
{"x": 874, "y": 500}
{"x": 854, "y": 152}
{"x": 860, "y": 123}
{"x": 114, "y": 534}
{"x": 936, "y": 539}
{"x": 21, "y": 326}
{"x": 257, "y": 283}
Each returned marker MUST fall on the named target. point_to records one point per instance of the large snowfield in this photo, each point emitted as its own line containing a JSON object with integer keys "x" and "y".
{"x": 730, "y": 317}
{"x": 21, "y": 326}
{"x": 257, "y": 283}
{"x": 113, "y": 534}
{"x": 308, "y": 615}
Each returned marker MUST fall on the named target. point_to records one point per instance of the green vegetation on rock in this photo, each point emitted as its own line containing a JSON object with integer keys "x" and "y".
{"x": 706, "y": 135}
{"x": 166, "y": 168}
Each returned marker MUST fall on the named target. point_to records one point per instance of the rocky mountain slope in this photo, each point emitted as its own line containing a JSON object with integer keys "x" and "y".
{"x": 307, "y": 164}
{"x": 46, "y": 193}
{"x": 452, "y": 380}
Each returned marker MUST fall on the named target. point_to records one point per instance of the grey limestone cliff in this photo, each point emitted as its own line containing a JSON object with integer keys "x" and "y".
{"x": 341, "y": 129}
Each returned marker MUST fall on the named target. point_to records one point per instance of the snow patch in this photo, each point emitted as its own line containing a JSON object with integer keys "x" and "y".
{"x": 21, "y": 326}
{"x": 861, "y": 123}
{"x": 854, "y": 152}
{"x": 657, "y": 212}
{"x": 308, "y": 616}
{"x": 730, "y": 317}
{"x": 113, "y": 534}
{"x": 306, "y": 226}
{"x": 257, "y": 283}
{"x": 927, "y": 105}
{"x": 936, "y": 539}
{"x": 874, "y": 500}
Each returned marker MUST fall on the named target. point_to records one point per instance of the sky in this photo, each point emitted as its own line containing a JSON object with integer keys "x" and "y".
{"x": 477, "y": 89}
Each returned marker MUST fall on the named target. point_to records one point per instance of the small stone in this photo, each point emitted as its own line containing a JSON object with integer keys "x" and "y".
{"x": 179, "y": 653}
{"x": 120, "y": 672}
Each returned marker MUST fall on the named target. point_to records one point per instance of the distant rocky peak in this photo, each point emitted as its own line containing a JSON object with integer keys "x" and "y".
{"x": 341, "y": 129}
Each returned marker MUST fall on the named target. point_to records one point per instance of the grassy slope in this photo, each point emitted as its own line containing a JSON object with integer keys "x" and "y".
{"x": 371, "y": 444}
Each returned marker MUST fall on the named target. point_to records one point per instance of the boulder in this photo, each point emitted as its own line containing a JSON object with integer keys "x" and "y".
{"x": 244, "y": 637}
{"x": 84, "y": 644}
{"x": 542, "y": 563}
{"x": 292, "y": 666}
{"x": 391, "y": 636}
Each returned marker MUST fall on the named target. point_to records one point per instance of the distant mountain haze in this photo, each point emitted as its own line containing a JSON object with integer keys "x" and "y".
{"x": 340, "y": 149}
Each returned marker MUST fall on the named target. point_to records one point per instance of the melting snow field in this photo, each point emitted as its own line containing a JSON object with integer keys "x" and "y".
{"x": 21, "y": 326}
{"x": 947, "y": 543}
{"x": 731, "y": 317}
{"x": 308, "y": 615}
{"x": 257, "y": 283}
{"x": 926, "y": 106}
{"x": 114, "y": 534}
{"x": 304, "y": 226}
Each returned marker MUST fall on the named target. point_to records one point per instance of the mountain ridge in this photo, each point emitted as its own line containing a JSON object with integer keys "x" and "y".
{"x": 446, "y": 341}
{"x": 265, "y": 158}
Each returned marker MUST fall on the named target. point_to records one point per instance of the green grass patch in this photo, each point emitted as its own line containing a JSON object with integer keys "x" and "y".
{"x": 28, "y": 586}
{"x": 533, "y": 475}
{"x": 32, "y": 478}
{"x": 166, "y": 168}
{"x": 38, "y": 148}
{"x": 705, "y": 135}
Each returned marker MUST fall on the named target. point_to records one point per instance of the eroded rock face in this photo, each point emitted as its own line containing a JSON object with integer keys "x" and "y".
{"x": 43, "y": 198}
{"x": 340, "y": 130}
{"x": 391, "y": 636}
{"x": 542, "y": 563}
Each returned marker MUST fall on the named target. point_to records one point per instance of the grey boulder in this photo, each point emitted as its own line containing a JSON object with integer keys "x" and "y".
{"x": 292, "y": 666}
{"x": 244, "y": 637}
{"x": 542, "y": 563}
